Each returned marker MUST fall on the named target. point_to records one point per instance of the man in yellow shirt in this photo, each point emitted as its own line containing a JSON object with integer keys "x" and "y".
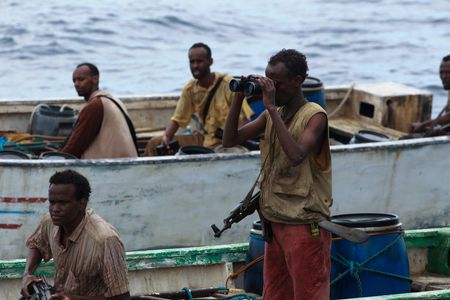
{"x": 207, "y": 95}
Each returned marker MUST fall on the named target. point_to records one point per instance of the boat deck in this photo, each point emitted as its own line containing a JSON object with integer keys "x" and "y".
{"x": 347, "y": 127}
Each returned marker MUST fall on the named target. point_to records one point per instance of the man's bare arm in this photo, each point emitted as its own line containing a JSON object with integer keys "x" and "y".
{"x": 232, "y": 134}
{"x": 171, "y": 128}
{"x": 34, "y": 258}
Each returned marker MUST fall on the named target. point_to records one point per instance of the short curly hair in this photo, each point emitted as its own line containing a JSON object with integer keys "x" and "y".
{"x": 294, "y": 61}
{"x": 204, "y": 46}
{"x": 446, "y": 58}
{"x": 81, "y": 184}
{"x": 92, "y": 68}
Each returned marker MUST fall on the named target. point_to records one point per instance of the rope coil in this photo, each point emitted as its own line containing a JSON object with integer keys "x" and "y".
{"x": 354, "y": 268}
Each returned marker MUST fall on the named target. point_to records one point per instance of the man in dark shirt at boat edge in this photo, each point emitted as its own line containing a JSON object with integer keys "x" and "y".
{"x": 101, "y": 130}
{"x": 444, "y": 119}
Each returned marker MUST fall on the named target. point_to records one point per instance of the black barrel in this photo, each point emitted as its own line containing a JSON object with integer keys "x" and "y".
{"x": 368, "y": 136}
{"x": 194, "y": 149}
{"x": 52, "y": 120}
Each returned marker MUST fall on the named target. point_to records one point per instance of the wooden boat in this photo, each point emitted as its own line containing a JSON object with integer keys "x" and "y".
{"x": 171, "y": 201}
{"x": 210, "y": 266}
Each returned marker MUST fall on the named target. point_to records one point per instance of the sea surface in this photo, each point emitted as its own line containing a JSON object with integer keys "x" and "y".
{"x": 141, "y": 47}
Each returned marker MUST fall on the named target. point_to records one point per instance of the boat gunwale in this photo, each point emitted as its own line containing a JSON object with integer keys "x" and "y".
{"x": 135, "y": 98}
{"x": 148, "y": 259}
{"x": 149, "y": 160}
{"x": 186, "y": 256}
{"x": 208, "y": 255}
{"x": 389, "y": 145}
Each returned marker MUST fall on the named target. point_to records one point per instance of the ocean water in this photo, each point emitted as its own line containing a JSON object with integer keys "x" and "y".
{"x": 141, "y": 47}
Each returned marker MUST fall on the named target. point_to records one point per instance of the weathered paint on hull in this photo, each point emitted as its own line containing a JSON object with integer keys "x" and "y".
{"x": 161, "y": 202}
{"x": 154, "y": 202}
{"x": 150, "y": 271}
{"x": 201, "y": 267}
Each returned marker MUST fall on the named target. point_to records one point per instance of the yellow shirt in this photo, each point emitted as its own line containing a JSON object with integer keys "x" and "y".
{"x": 193, "y": 100}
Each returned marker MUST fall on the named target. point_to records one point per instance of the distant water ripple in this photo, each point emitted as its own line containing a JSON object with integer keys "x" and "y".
{"x": 141, "y": 46}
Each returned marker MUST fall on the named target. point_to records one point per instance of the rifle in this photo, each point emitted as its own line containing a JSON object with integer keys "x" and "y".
{"x": 245, "y": 208}
{"x": 249, "y": 205}
{"x": 39, "y": 290}
{"x": 184, "y": 294}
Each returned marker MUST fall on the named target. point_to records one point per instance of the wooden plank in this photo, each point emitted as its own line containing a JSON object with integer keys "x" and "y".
{"x": 348, "y": 127}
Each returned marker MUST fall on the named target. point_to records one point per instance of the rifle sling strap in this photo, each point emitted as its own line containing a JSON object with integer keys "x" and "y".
{"x": 210, "y": 97}
{"x": 249, "y": 195}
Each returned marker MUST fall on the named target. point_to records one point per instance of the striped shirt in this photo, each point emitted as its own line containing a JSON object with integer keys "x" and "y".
{"x": 93, "y": 264}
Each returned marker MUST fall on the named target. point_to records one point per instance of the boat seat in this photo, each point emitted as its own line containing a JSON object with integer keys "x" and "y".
{"x": 348, "y": 127}
{"x": 429, "y": 282}
{"x": 13, "y": 154}
{"x": 54, "y": 155}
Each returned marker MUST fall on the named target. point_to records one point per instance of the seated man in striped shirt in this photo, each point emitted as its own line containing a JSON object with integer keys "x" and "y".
{"x": 89, "y": 257}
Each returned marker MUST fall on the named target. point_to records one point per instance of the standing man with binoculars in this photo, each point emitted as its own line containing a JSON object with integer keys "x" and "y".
{"x": 296, "y": 178}
{"x": 208, "y": 95}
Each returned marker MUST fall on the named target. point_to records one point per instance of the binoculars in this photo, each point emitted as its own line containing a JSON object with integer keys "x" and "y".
{"x": 249, "y": 85}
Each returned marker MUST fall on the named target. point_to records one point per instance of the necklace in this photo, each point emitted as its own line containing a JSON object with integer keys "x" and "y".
{"x": 286, "y": 115}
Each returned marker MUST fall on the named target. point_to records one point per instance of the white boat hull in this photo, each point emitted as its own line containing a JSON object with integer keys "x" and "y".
{"x": 162, "y": 202}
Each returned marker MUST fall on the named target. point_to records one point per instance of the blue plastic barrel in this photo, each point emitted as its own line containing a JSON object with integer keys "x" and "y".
{"x": 258, "y": 107}
{"x": 313, "y": 91}
{"x": 253, "y": 277}
{"x": 378, "y": 266}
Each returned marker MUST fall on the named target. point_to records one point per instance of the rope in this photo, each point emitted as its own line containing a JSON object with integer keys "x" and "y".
{"x": 30, "y": 146}
{"x": 242, "y": 269}
{"x": 337, "y": 238}
{"x": 188, "y": 293}
{"x": 234, "y": 297}
{"x": 346, "y": 97}
{"x": 355, "y": 268}
{"x": 240, "y": 297}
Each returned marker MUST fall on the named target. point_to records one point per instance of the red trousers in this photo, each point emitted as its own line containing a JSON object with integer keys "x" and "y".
{"x": 297, "y": 264}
